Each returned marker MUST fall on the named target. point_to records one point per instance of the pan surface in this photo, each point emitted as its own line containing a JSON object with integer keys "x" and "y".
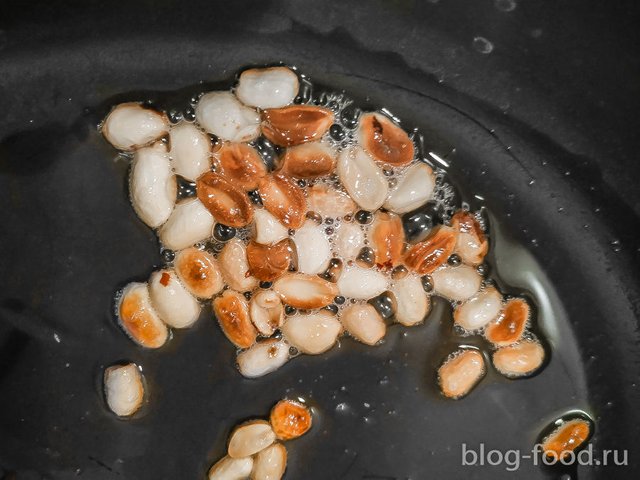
{"x": 537, "y": 102}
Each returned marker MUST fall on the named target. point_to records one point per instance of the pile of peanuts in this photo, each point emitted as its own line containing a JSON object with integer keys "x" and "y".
{"x": 294, "y": 229}
{"x": 255, "y": 449}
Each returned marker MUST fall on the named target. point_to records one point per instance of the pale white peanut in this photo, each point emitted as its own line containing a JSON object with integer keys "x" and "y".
{"x": 171, "y": 300}
{"x": 123, "y": 389}
{"x": 130, "y": 125}
{"x": 189, "y": 223}
{"x": 152, "y": 185}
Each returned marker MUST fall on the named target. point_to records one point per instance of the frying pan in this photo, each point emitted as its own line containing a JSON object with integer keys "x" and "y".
{"x": 539, "y": 100}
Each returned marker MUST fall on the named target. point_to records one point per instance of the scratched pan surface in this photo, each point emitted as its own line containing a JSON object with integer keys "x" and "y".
{"x": 549, "y": 98}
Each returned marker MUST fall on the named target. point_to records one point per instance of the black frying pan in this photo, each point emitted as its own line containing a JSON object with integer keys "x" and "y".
{"x": 553, "y": 98}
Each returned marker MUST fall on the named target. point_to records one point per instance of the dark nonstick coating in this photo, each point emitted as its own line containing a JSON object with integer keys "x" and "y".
{"x": 555, "y": 102}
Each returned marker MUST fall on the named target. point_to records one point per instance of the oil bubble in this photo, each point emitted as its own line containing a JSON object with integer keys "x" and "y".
{"x": 482, "y": 45}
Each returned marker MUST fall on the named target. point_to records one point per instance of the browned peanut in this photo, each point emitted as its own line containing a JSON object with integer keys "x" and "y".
{"x": 387, "y": 237}
{"x": 268, "y": 262}
{"x": 241, "y": 164}
{"x": 510, "y": 325}
{"x": 566, "y": 438}
{"x": 138, "y": 318}
{"x": 431, "y": 253}
{"x": 309, "y": 160}
{"x": 199, "y": 272}
{"x": 385, "y": 140}
{"x": 290, "y": 419}
{"x": 295, "y": 124}
{"x": 232, "y": 312}
{"x": 284, "y": 200}
{"x": 227, "y": 203}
